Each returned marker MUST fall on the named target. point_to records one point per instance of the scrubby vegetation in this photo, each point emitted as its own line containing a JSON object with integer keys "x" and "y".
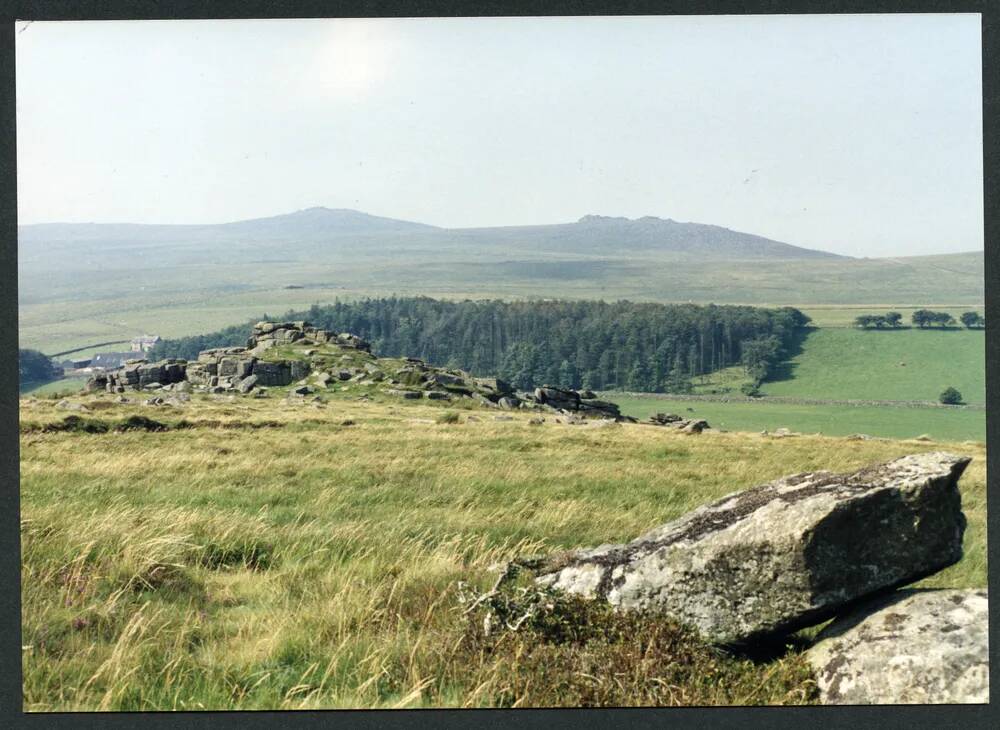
{"x": 312, "y": 564}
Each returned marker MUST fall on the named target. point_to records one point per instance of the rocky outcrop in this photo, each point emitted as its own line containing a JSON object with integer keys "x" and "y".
{"x": 270, "y": 334}
{"x": 672, "y": 420}
{"x": 279, "y": 354}
{"x": 139, "y": 375}
{"x": 783, "y": 555}
{"x": 564, "y": 400}
{"x": 910, "y": 647}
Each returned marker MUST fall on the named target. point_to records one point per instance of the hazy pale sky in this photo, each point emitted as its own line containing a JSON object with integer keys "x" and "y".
{"x": 855, "y": 134}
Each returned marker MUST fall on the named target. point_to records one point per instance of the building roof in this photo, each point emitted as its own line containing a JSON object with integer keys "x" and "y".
{"x": 111, "y": 359}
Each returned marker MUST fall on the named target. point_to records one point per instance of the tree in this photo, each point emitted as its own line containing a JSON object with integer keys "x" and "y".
{"x": 925, "y": 317}
{"x": 798, "y": 318}
{"x": 568, "y": 377}
{"x": 35, "y": 367}
{"x": 759, "y": 355}
{"x": 750, "y": 389}
{"x": 677, "y": 382}
{"x": 950, "y": 396}
{"x": 972, "y": 320}
{"x": 943, "y": 319}
{"x": 864, "y": 321}
{"x": 639, "y": 377}
{"x": 894, "y": 319}
{"x": 922, "y": 317}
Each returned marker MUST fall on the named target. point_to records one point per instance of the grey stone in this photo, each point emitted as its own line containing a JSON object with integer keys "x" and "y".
{"x": 786, "y": 554}
{"x": 910, "y": 647}
{"x": 273, "y": 373}
{"x": 446, "y": 379}
{"x": 695, "y": 426}
{"x": 436, "y": 395}
{"x": 247, "y": 384}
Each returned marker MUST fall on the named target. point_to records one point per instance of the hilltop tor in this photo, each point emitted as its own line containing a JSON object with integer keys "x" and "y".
{"x": 302, "y": 360}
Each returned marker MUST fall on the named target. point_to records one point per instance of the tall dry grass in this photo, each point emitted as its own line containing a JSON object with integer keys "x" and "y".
{"x": 309, "y": 564}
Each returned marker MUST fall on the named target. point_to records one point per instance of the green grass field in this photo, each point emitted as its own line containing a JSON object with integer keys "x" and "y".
{"x": 64, "y": 386}
{"x": 272, "y": 556}
{"x": 909, "y": 364}
{"x": 950, "y": 424}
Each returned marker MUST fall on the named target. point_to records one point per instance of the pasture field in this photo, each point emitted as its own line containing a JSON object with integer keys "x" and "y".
{"x": 905, "y": 365}
{"x": 894, "y": 422}
{"x": 274, "y": 555}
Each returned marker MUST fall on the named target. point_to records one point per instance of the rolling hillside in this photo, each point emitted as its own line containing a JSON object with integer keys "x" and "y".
{"x": 82, "y": 283}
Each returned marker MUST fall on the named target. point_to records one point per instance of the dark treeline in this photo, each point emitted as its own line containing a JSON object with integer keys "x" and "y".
{"x": 34, "y": 367}
{"x": 584, "y": 344}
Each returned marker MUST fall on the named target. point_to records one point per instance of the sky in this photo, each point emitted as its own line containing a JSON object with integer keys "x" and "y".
{"x": 858, "y": 134}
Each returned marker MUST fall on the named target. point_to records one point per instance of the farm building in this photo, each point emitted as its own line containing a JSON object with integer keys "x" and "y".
{"x": 75, "y": 364}
{"x": 111, "y": 360}
{"x": 144, "y": 343}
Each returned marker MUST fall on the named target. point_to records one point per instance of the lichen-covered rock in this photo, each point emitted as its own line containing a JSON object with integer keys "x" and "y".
{"x": 910, "y": 647}
{"x": 786, "y": 554}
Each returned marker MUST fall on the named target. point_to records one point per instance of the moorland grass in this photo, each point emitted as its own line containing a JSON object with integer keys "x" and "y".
{"x": 315, "y": 564}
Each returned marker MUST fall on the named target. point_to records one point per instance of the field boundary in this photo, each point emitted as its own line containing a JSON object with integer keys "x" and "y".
{"x": 87, "y": 347}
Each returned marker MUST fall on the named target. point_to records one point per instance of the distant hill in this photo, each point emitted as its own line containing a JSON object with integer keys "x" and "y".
{"x": 592, "y": 234}
{"x": 91, "y": 282}
{"x": 309, "y": 223}
{"x": 596, "y": 234}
